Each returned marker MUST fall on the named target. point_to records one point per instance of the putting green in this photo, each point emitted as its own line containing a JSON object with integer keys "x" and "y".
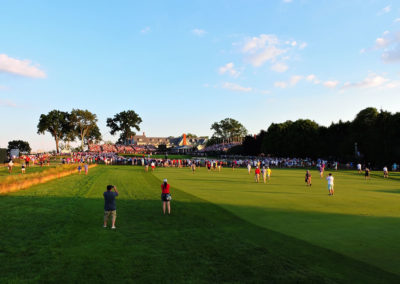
{"x": 360, "y": 221}
{"x": 53, "y": 232}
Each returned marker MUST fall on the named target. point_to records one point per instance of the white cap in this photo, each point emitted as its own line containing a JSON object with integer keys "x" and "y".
{"x": 165, "y": 180}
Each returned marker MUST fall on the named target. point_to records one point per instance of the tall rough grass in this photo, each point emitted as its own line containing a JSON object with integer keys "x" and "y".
{"x": 15, "y": 183}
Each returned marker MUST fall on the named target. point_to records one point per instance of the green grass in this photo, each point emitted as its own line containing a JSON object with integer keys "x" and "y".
{"x": 247, "y": 233}
{"x": 360, "y": 221}
{"x": 17, "y": 170}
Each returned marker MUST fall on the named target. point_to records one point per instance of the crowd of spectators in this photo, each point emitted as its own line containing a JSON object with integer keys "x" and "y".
{"x": 108, "y": 148}
{"x": 220, "y": 147}
{"x": 121, "y": 149}
{"x": 112, "y": 157}
{"x": 94, "y": 148}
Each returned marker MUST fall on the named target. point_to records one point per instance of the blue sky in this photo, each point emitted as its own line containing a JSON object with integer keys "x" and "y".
{"x": 182, "y": 65}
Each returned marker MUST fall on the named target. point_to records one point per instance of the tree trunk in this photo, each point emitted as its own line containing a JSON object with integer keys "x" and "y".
{"x": 82, "y": 137}
{"x": 57, "y": 145}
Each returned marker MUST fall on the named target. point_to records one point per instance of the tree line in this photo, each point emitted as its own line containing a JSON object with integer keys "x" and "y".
{"x": 82, "y": 125}
{"x": 372, "y": 136}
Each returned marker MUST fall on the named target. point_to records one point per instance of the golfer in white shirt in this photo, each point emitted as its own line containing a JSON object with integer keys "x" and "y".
{"x": 330, "y": 180}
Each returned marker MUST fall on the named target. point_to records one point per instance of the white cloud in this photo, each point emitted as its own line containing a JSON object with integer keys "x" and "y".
{"x": 236, "y": 87}
{"x": 385, "y": 10}
{"x": 256, "y": 43}
{"x": 393, "y": 84}
{"x": 303, "y": 45}
{"x": 198, "y": 32}
{"x": 390, "y": 44}
{"x": 279, "y": 67}
{"x": 381, "y": 42}
{"x": 270, "y": 53}
{"x": 295, "y": 79}
{"x": 312, "y": 78}
{"x": 20, "y": 67}
{"x": 230, "y": 69}
{"x": 396, "y": 20}
{"x": 280, "y": 84}
{"x": 391, "y": 55}
{"x": 331, "y": 84}
{"x": 292, "y": 82}
{"x": 371, "y": 81}
{"x": 268, "y": 48}
{"x": 145, "y": 30}
{"x": 7, "y": 103}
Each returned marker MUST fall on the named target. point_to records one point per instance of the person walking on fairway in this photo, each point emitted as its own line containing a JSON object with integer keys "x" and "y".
{"x": 367, "y": 173}
{"x": 264, "y": 174}
{"x": 268, "y": 173}
{"x": 166, "y": 196}
{"x": 249, "y": 167}
{"x": 86, "y": 167}
{"x": 308, "y": 178}
{"x": 110, "y": 208}
{"x": 385, "y": 172}
{"x": 359, "y": 168}
{"x": 321, "y": 170}
{"x": 10, "y": 166}
{"x": 193, "y": 167}
{"x": 330, "y": 180}
{"x": 257, "y": 172}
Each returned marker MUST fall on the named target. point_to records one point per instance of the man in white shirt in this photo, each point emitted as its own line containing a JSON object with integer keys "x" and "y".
{"x": 249, "y": 167}
{"x": 385, "y": 172}
{"x": 359, "y": 168}
{"x": 10, "y": 166}
{"x": 330, "y": 180}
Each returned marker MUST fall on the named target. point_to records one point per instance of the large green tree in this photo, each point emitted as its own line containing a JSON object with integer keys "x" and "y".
{"x": 22, "y": 146}
{"x": 57, "y": 123}
{"x": 94, "y": 136}
{"x": 123, "y": 122}
{"x": 228, "y": 128}
{"x": 85, "y": 124}
{"x": 376, "y": 133}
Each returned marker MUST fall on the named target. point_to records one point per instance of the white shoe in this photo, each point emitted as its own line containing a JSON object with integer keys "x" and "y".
{"x": 113, "y": 228}
{"x": 104, "y": 226}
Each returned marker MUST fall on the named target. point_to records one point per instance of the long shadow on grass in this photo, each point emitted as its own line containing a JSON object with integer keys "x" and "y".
{"x": 395, "y": 176}
{"x": 395, "y": 191}
{"x": 61, "y": 239}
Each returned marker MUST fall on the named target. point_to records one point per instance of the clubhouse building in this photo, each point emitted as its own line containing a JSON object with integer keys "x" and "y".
{"x": 181, "y": 144}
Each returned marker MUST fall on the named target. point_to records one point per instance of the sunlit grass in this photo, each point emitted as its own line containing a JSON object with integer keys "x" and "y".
{"x": 249, "y": 232}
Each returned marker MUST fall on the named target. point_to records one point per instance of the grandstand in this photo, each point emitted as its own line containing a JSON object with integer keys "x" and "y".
{"x": 143, "y": 144}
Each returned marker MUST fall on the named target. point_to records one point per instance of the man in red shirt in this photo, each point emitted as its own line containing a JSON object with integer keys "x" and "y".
{"x": 166, "y": 196}
{"x": 257, "y": 174}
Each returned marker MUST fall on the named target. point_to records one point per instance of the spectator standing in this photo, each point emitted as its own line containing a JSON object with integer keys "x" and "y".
{"x": 330, "y": 180}
{"x": 385, "y": 172}
{"x": 166, "y": 196}
{"x": 110, "y": 208}
{"x": 10, "y": 166}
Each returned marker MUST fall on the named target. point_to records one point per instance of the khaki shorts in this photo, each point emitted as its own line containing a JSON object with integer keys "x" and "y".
{"x": 108, "y": 213}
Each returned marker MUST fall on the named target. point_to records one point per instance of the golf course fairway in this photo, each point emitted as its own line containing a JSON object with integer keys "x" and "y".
{"x": 223, "y": 228}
